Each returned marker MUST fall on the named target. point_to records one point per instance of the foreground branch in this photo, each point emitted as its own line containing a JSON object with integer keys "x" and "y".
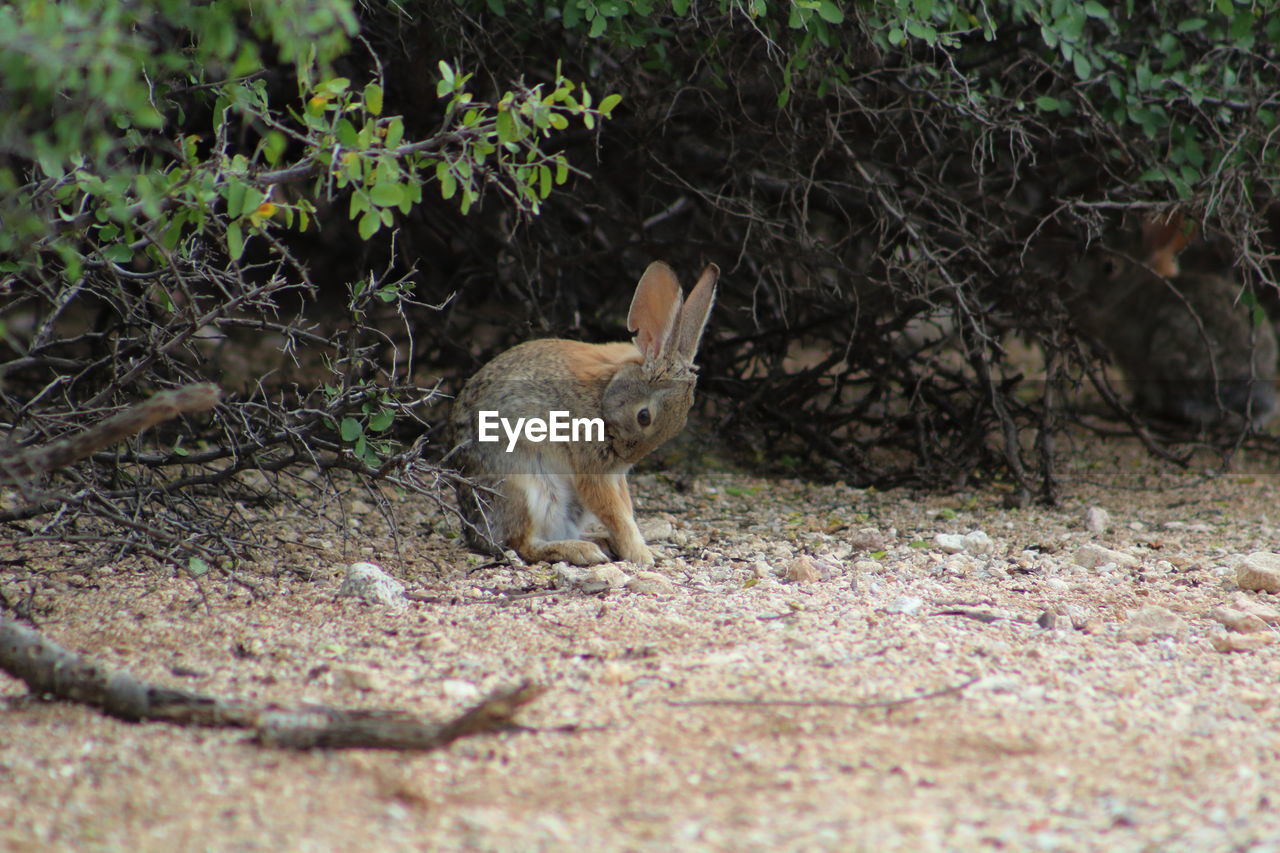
{"x": 27, "y": 464}
{"x": 49, "y": 669}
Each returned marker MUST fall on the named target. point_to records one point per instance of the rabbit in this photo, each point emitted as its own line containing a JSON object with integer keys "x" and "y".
{"x": 536, "y": 498}
{"x": 1189, "y": 345}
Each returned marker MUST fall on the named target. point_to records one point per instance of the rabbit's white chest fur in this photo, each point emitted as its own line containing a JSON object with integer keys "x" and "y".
{"x": 556, "y": 510}
{"x": 554, "y": 506}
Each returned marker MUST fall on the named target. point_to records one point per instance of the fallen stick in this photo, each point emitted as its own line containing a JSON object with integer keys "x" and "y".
{"x": 49, "y": 669}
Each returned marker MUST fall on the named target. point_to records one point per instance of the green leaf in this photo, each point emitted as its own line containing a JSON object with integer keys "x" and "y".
{"x": 119, "y": 253}
{"x": 680, "y": 7}
{"x": 382, "y": 420}
{"x": 234, "y": 194}
{"x": 197, "y": 567}
{"x": 387, "y": 195}
{"x": 609, "y": 102}
{"x": 369, "y": 224}
{"x": 235, "y": 241}
{"x": 1082, "y": 67}
{"x": 830, "y": 12}
{"x": 544, "y": 181}
{"x": 373, "y": 99}
{"x": 1191, "y": 25}
{"x": 922, "y": 31}
{"x": 347, "y": 134}
{"x": 273, "y": 145}
{"x": 1094, "y": 9}
{"x": 448, "y": 185}
{"x": 350, "y": 429}
{"x": 506, "y": 124}
{"x": 1047, "y": 104}
{"x": 395, "y": 132}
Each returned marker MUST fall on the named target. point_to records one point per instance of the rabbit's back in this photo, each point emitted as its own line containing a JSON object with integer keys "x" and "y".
{"x": 1188, "y": 344}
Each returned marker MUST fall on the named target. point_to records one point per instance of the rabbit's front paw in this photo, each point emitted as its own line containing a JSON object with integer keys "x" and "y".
{"x": 638, "y": 554}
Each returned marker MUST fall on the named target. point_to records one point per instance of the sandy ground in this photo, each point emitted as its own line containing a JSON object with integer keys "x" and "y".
{"x": 1116, "y": 727}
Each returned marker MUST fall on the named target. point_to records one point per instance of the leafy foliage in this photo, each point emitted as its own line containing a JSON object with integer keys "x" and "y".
{"x": 181, "y": 183}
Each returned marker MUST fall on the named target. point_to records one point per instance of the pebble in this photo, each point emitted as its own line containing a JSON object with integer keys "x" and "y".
{"x": 1252, "y": 606}
{"x": 907, "y": 605}
{"x": 1259, "y": 571}
{"x": 1097, "y": 520}
{"x": 1093, "y": 556}
{"x": 1237, "y": 620}
{"x": 592, "y": 578}
{"x": 868, "y": 566}
{"x": 357, "y": 678}
{"x": 1078, "y": 615}
{"x": 650, "y": 583}
{"x": 1242, "y": 642}
{"x": 658, "y": 529}
{"x": 457, "y": 690}
{"x": 359, "y": 507}
{"x": 868, "y": 539}
{"x": 974, "y": 542}
{"x": 803, "y": 570}
{"x": 1154, "y": 622}
{"x": 369, "y": 583}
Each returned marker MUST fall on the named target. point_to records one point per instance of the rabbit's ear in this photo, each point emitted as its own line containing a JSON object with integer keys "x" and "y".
{"x": 1163, "y": 237}
{"x": 654, "y": 310}
{"x": 693, "y": 316}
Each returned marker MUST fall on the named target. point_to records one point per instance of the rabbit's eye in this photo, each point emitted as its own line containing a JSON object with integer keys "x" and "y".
{"x": 1110, "y": 266}
{"x": 643, "y": 417}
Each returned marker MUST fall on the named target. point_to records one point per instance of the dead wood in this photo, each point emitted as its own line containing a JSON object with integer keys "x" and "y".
{"x": 24, "y": 465}
{"x": 50, "y": 670}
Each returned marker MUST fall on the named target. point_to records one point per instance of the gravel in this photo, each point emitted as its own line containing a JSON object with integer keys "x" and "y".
{"x": 1124, "y": 695}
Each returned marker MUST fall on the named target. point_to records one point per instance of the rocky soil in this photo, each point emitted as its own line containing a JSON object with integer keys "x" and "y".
{"x": 808, "y": 666}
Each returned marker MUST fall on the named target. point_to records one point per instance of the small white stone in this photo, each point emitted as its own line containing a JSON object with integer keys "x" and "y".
{"x": 803, "y": 570}
{"x": 1251, "y": 605}
{"x": 457, "y": 690}
{"x": 868, "y": 539}
{"x": 952, "y": 543}
{"x": 592, "y": 578}
{"x": 1092, "y": 556}
{"x": 657, "y": 529}
{"x": 1237, "y": 620}
{"x": 651, "y": 583}
{"x": 1097, "y": 520}
{"x": 1154, "y": 622}
{"x": 978, "y": 542}
{"x": 1242, "y": 642}
{"x": 369, "y": 583}
{"x": 1260, "y": 572}
{"x": 358, "y": 679}
{"x": 907, "y": 605}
